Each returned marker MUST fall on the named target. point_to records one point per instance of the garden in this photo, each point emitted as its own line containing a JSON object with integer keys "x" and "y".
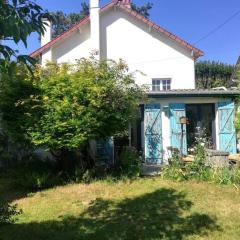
{"x": 186, "y": 201}
{"x": 56, "y": 111}
{"x": 139, "y": 208}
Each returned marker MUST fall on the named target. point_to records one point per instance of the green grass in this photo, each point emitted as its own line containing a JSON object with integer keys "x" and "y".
{"x": 149, "y": 208}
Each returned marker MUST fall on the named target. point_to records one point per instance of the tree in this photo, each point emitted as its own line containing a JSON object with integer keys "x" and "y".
{"x": 210, "y": 74}
{"x": 143, "y": 10}
{"x": 18, "y": 19}
{"x": 238, "y": 72}
{"x": 16, "y": 84}
{"x": 64, "y": 21}
{"x": 65, "y": 106}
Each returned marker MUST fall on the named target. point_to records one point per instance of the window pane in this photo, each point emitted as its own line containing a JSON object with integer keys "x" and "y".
{"x": 161, "y": 84}
{"x": 156, "y": 83}
{"x": 166, "y": 84}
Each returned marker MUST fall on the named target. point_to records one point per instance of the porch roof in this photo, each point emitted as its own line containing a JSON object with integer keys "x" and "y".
{"x": 195, "y": 93}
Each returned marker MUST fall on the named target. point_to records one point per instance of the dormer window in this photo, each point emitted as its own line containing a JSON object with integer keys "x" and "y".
{"x": 159, "y": 84}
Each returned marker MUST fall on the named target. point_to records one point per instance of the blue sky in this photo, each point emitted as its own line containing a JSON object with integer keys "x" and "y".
{"x": 189, "y": 19}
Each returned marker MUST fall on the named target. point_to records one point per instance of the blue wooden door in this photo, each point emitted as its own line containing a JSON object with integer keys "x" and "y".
{"x": 178, "y": 138}
{"x": 227, "y": 133}
{"x": 153, "y": 134}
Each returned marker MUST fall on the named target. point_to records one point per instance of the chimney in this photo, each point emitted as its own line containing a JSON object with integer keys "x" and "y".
{"x": 95, "y": 26}
{"x": 47, "y": 36}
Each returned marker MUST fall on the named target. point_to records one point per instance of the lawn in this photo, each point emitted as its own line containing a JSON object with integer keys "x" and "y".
{"x": 149, "y": 208}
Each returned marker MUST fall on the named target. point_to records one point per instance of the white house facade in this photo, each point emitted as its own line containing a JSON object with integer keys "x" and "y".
{"x": 167, "y": 62}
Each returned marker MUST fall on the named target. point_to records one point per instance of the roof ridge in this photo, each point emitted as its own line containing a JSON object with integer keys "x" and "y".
{"x": 134, "y": 14}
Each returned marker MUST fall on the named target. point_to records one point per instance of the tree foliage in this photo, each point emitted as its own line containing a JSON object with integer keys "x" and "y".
{"x": 18, "y": 19}
{"x": 86, "y": 101}
{"x": 210, "y": 74}
{"x": 64, "y": 106}
{"x": 63, "y": 22}
{"x": 237, "y": 72}
{"x": 143, "y": 10}
{"x": 16, "y": 84}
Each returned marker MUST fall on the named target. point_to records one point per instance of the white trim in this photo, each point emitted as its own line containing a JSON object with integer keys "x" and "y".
{"x": 161, "y": 83}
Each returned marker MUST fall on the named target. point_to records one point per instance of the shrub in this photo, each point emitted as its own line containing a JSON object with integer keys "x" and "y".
{"x": 130, "y": 163}
{"x": 128, "y": 157}
{"x": 34, "y": 176}
{"x": 8, "y": 212}
{"x": 197, "y": 170}
{"x": 88, "y": 176}
{"x": 175, "y": 169}
{"x": 32, "y": 180}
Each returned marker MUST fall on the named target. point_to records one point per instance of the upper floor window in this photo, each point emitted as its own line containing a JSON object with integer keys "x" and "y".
{"x": 161, "y": 84}
{"x": 156, "y": 85}
{"x": 166, "y": 84}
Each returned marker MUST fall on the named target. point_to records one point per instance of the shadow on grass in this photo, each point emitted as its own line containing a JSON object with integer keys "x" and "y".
{"x": 163, "y": 214}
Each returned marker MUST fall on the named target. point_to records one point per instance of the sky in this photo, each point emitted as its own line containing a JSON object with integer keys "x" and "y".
{"x": 188, "y": 19}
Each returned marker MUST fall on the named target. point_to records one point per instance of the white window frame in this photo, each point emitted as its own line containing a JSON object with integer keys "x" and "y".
{"x": 167, "y": 84}
{"x": 157, "y": 84}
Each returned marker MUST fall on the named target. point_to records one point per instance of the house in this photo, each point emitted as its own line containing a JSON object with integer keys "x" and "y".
{"x": 116, "y": 31}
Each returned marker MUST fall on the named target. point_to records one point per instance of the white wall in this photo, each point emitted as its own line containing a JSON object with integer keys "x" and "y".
{"x": 166, "y": 129}
{"x": 122, "y": 36}
{"x": 76, "y": 46}
{"x": 47, "y": 56}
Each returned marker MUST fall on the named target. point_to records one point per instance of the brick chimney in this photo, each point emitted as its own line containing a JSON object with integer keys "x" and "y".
{"x": 47, "y": 36}
{"x": 95, "y": 26}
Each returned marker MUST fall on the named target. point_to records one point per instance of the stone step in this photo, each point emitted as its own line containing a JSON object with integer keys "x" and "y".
{"x": 151, "y": 170}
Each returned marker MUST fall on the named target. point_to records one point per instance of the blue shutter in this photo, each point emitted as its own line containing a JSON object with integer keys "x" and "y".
{"x": 153, "y": 134}
{"x": 177, "y": 110}
{"x": 227, "y": 133}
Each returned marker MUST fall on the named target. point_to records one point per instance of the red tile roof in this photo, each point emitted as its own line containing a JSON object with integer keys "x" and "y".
{"x": 133, "y": 13}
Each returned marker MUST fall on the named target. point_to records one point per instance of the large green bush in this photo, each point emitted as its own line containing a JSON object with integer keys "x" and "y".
{"x": 64, "y": 106}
